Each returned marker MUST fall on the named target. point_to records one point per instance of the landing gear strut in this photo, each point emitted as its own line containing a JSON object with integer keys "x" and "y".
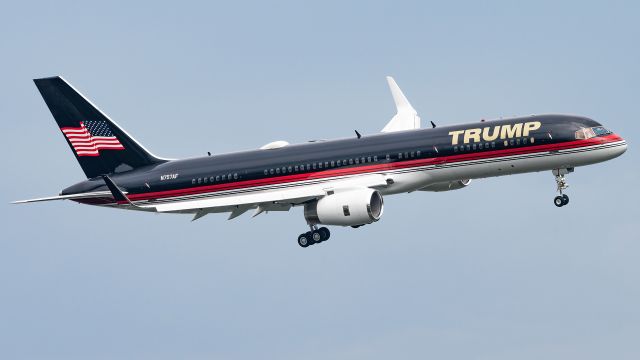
{"x": 561, "y": 183}
{"x": 314, "y": 236}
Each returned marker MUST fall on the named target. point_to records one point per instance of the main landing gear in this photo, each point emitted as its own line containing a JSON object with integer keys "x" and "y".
{"x": 314, "y": 236}
{"x": 561, "y": 183}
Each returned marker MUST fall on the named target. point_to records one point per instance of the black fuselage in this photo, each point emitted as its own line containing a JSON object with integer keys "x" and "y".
{"x": 323, "y": 156}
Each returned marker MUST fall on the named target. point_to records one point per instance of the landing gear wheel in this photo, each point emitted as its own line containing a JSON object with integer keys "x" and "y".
{"x": 326, "y": 234}
{"x": 561, "y": 184}
{"x": 558, "y": 201}
{"x": 316, "y": 236}
{"x": 305, "y": 239}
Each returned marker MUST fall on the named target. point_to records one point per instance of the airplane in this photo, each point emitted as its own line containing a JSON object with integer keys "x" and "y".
{"x": 336, "y": 182}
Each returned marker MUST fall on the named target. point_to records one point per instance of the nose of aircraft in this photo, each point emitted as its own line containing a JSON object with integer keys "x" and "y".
{"x": 622, "y": 147}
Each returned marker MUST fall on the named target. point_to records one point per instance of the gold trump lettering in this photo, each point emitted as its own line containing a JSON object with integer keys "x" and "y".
{"x": 491, "y": 133}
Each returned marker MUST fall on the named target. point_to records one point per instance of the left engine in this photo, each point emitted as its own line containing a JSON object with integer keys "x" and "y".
{"x": 346, "y": 208}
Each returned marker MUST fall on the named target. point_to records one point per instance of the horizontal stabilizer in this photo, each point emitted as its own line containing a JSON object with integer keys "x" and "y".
{"x": 91, "y": 195}
{"x": 117, "y": 194}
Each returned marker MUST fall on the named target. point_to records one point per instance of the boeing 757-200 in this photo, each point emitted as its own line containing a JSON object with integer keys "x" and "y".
{"x": 337, "y": 182}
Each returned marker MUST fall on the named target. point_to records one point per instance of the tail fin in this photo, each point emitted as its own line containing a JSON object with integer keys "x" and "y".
{"x": 100, "y": 145}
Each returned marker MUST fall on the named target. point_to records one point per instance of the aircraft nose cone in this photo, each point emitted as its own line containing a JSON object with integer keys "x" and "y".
{"x": 622, "y": 148}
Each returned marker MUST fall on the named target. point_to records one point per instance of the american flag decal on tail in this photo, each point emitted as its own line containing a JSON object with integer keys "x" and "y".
{"x": 91, "y": 137}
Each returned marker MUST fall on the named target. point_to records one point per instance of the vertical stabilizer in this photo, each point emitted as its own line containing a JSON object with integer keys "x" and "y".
{"x": 99, "y": 144}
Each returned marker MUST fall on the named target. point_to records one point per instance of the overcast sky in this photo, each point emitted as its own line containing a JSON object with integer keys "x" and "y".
{"x": 493, "y": 271}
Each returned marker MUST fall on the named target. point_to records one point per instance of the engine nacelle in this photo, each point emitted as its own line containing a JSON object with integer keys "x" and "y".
{"x": 346, "y": 208}
{"x": 447, "y": 185}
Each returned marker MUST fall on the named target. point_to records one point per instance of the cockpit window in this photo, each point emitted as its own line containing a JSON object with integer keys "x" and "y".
{"x": 588, "y": 133}
{"x": 600, "y": 131}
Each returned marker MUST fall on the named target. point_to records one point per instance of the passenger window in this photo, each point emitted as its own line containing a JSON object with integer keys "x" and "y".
{"x": 413, "y": 154}
{"x": 357, "y": 161}
{"x": 326, "y": 164}
{"x": 266, "y": 171}
{"x": 270, "y": 172}
{"x": 362, "y": 160}
{"x": 350, "y": 161}
{"x": 493, "y": 144}
{"x": 193, "y": 181}
{"x": 518, "y": 141}
{"x": 235, "y": 176}
{"x": 333, "y": 164}
{"x": 339, "y": 162}
{"x": 468, "y": 147}
{"x": 418, "y": 153}
{"x": 533, "y": 140}
{"x": 277, "y": 170}
{"x": 290, "y": 169}
{"x": 480, "y": 146}
{"x": 199, "y": 180}
{"x": 368, "y": 158}
{"x": 224, "y": 177}
{"x": 206, "y": 180}
{"x": 400, "y": 156}
{"x": 511, "y": 142}
{"x": 524, "y": 141}
{"x": 217, "y": 178}
{"x": 506, "y": 143}
{"x": 296, "y": 168}
{"x": 455, "y": 149}
{"x": 406, "y": 155}
{"x": 474, "y": 146}
{"x": 314, "y": 166}
{"x": 308, "y": 167}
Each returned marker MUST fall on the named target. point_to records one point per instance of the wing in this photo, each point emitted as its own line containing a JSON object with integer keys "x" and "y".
{"x": 407, "y": 117}
{"x": 270, "y": 200}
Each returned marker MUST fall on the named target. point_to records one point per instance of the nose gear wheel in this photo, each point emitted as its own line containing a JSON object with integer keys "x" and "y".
{"x": 561, "y": 185}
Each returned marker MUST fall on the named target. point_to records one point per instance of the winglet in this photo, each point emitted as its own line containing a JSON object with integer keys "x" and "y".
{"x": 406, "y": 117}
{"x": 118, "y": 195}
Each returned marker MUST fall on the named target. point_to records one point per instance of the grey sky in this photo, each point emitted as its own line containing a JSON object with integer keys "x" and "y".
{"x": 494, "y": 271}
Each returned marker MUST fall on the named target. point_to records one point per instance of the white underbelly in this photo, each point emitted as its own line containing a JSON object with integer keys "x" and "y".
{"x": 413, "y": 179}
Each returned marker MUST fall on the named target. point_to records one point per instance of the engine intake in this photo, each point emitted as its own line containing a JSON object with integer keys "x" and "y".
{"x": 346, "y": 208}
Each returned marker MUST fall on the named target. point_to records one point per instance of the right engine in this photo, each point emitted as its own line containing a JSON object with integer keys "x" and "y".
{"x": 352, "y": 207}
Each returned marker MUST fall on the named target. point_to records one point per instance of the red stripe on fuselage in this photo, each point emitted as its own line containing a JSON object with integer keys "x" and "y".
{"x": 374, "y": 168}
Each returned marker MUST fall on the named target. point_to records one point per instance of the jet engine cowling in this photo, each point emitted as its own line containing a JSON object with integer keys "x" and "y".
{"x": 346, "y": 208}
{"x": 447, "y": 185}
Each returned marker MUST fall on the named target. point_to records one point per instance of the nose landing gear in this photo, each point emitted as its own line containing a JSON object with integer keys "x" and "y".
{"x": 561, "y": 183}
{"x": 314, "y": 236}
